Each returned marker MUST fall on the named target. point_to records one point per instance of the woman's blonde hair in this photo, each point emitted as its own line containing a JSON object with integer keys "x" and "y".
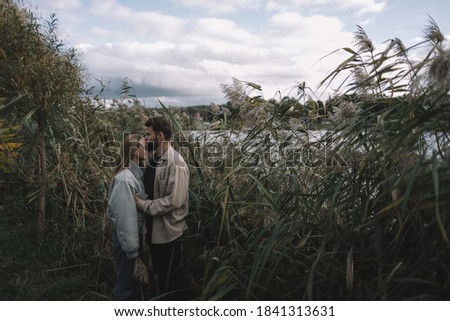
{"x": 128, "y": 149}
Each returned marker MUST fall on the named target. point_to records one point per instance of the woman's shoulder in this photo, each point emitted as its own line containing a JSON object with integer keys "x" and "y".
{"x": 124, "y": 175}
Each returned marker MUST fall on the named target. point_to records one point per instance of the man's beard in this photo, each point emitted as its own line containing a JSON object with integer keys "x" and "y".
{"x": 151, "y": 145}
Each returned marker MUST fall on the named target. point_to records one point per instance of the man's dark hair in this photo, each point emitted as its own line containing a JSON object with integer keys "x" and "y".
{"x": 160, "y": 124}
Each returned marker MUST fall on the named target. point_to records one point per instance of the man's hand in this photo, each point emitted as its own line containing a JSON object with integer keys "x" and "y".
{"x": 140, "y": 203}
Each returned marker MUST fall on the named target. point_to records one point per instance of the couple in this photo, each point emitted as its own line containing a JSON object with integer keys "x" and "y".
{"x": 150, "y": 204}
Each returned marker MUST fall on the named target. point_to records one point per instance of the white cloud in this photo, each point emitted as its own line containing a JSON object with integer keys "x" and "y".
{"x": 221, "y": 6}
{"x": 109, "y": 7}
{"x": 130, "y": 24}
{"x": 196, "y": 64}
{"x": 102, "y": 32}
{"x": 363, "y": 6}
{"x": 300, "y": 36}
{"x": 303, "y": 43}
{"x": 213, "y": 28}
{"x": 358, "y": 6}
{"x": 186, "y": 59}
{"x": 61, "y": 5}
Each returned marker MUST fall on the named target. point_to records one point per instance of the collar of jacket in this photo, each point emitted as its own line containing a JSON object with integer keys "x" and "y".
{"x": 166, "y": 154}
{"x": 136, "y": 170}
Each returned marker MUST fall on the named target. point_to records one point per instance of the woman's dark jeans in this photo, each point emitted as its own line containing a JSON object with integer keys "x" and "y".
{"x": 126, "y": 288}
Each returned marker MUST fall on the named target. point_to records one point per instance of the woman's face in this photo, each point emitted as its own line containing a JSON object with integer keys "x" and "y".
{"x": 142, "y": 151}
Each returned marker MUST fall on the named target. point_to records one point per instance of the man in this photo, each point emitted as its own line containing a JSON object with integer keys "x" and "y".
{"x": 166, "y": 181}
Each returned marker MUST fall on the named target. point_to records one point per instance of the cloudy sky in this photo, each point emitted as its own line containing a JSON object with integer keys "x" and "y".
{"x": 181, "y": 51}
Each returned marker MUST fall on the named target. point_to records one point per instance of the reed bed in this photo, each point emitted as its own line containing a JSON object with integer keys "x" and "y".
{"x": 343, "y": 200}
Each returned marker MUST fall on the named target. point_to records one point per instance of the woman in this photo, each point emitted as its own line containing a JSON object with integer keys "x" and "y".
{"x": 126, "y": 220}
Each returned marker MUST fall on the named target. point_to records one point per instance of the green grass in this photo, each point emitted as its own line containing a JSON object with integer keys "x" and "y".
{"x": 65, "y": 266}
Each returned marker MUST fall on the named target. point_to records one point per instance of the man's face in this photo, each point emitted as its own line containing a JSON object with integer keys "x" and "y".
{"x": 152, "y": 138}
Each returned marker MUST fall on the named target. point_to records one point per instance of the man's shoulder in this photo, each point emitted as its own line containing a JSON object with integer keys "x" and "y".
{"x": 173, "y": 156}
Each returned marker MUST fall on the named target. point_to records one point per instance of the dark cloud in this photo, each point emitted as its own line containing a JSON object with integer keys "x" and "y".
{"x": 114, "y": 88}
